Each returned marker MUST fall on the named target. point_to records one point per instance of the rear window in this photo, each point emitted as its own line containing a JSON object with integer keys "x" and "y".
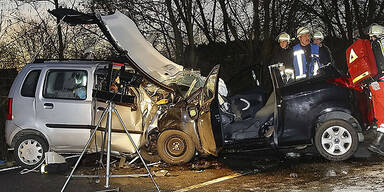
{"x": 66, "y": 84}
{"x": 29, "y": 86}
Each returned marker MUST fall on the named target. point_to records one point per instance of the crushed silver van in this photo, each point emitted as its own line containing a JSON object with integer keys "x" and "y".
{"x": 50, "y": 106}
{"x": 51, "y": 103}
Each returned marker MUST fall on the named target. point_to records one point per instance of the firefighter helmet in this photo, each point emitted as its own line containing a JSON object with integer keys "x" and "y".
{"x": 376, "y": 30}
{"x": 283, "y": 37}
{"x": 318, "y": 35}
{"x": 302, "y": 31}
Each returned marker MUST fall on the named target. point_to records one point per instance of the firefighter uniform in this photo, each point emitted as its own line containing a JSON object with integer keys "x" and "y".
{"x": 306, "y": 60}
{"x": 376, "y": 33}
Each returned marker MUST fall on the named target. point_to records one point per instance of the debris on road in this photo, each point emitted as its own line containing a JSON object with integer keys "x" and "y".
{"x": 122, "y": 162}
{"x": 205, "y": 165}
{"x": 293, "y": 175}
{"x": 331, "y": 173}
{"x": 9, "y": 168}
{"x": 161, "y": 173}
{"x": 110, "y": 190}
{"x": 292, "y": 155}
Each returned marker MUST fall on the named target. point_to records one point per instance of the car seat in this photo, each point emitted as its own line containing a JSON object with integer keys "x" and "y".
{"x": 251, "y": 127}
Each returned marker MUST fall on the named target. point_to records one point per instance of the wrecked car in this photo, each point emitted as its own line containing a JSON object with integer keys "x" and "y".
{"x": 54, "y": 104}
{"x": 326, "y": 111}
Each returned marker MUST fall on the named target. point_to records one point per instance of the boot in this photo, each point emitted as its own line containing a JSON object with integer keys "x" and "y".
{"x": 377, "y": 146}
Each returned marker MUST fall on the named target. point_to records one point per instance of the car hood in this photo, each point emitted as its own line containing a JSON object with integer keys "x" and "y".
{"x": 127, "y": 37}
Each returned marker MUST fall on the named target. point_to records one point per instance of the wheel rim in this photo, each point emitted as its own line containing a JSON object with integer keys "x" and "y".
{"x": 336, "y": 140}
{"x": 30, "y": 152}
{"x": 175, "y": 146}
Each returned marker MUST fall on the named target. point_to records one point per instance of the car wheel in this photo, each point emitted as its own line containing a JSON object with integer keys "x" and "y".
{"x": 29, "y": 150}
{"x": 336, "y": 140}
{"x": 175, "y": 147}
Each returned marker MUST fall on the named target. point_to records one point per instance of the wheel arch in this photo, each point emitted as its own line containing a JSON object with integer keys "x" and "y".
{"x": 342, "y": 115}
{"x": 29, "y": 132}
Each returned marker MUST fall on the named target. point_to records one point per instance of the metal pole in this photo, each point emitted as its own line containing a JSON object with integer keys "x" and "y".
{"x": 109, "y": 128}
{"x": 103, "y": 146}
{"x": 85, "y": 148}
{"x": 137, "y": 150}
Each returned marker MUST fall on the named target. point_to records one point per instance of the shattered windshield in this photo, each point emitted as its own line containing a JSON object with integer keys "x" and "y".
{"x": 187, "y": 82}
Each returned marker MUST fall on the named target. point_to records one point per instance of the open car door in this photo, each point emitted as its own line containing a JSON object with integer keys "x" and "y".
{"x": 209, "y": 122}
{"x": 277, "y": 82}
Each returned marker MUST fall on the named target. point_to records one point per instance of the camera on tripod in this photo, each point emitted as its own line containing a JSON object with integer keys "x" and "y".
{"x": 113, "y": 82}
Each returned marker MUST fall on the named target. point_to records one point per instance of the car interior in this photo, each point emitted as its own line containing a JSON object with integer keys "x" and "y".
{"x": 250, "y": 115}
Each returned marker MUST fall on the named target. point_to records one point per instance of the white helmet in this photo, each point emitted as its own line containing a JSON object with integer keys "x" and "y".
{"x": 283, "y": 37}
{"x": 302, "y": 31}
{"x": 376, "y": 30}
{"x": 318, "y": 35}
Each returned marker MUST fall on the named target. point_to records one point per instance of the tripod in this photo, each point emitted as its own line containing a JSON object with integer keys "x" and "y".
{"x": 108, "y": 130}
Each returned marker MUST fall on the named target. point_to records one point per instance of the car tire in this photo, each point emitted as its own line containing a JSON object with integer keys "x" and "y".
{"x": 175, "y": 147}
{"x": 29, "y": 150}
{"x": 336, "y": 140}
{"x": 149, "y": 156}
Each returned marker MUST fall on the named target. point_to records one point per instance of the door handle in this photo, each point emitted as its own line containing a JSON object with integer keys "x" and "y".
{"x": 48, "y": 105}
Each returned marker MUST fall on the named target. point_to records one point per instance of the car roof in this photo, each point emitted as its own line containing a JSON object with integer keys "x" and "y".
{"x": 67, "y": 63}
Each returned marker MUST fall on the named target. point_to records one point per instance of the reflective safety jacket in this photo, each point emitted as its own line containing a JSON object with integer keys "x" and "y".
{"x": 378, "y": 51}
{"x": 302, "y": 68}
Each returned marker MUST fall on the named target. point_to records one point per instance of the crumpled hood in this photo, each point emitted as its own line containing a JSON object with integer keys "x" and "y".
{"x": 128, "y": 37}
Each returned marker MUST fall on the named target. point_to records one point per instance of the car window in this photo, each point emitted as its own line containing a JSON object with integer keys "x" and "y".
{"x": 29, "y": 86}
{"x": 66, "y": 84}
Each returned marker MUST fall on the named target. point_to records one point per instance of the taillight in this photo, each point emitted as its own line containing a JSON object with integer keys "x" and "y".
{"x": 9, "y": 113}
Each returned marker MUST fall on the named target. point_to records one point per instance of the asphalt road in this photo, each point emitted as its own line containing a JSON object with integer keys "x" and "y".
{"x": 254, "y": 171}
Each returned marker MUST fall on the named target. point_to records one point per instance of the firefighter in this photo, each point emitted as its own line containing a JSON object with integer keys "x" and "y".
{"x": 305, "y": 55}
{"x": 283, "y": 53}
{"x": 376, "y": 35}
{"x": 324, "y": 52}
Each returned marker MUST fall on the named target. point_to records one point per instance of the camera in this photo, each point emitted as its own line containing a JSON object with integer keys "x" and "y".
{"x": 113, "y": 82}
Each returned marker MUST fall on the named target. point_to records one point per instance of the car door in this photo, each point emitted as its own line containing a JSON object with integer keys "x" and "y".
{"x": 63, "y": 106}
{"x": 277, "y": 83}
{"x": 209, "y": 124}
{"x": 23, "y": 95}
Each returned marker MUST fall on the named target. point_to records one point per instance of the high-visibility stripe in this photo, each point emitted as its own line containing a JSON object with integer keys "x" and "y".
{"x": 381, "y": 47}
{"x": 360, "y": 76}
{"x": 316, "y": 66}
{"x": 298, "y": 54}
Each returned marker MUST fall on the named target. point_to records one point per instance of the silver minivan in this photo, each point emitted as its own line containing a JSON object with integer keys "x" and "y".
{"x": 50, "y": 106}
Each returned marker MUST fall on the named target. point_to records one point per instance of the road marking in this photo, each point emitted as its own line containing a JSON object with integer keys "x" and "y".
{"x": 220, "y": 179}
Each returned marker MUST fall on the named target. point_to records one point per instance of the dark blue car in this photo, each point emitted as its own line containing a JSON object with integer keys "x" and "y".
{"x": 324, "y": 111}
